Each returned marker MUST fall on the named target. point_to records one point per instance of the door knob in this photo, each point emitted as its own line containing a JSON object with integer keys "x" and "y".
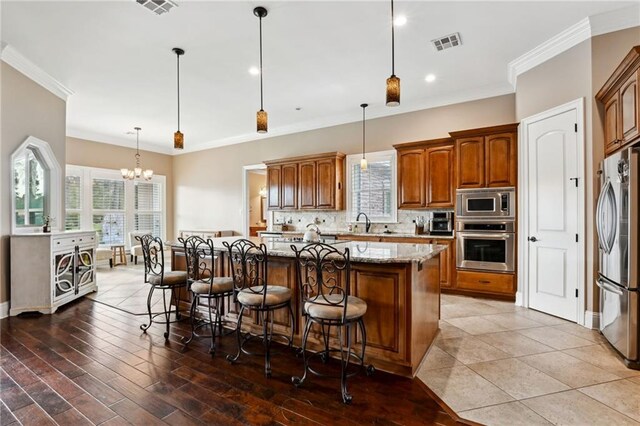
{"x": 532, "y": 239}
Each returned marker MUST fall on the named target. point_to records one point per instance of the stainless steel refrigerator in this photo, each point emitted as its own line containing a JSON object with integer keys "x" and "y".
{"x": 617, "y": 227}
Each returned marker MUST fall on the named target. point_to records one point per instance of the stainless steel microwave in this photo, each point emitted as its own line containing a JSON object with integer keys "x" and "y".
{"x": 489, "y": 203}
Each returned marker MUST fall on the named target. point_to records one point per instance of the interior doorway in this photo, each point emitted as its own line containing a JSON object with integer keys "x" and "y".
{"x": 255, "y": 197}
{"x": 551, "y": 212}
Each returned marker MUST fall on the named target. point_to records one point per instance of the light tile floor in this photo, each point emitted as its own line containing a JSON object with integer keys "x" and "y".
{"x": 499, "y": 364}
{"x": 123, "y": 287}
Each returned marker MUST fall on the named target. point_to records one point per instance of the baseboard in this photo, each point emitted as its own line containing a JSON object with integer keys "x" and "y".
{"x": 519, "y": 298}
{"x": 4, "y": 309}
{"x": 592, "y": 320}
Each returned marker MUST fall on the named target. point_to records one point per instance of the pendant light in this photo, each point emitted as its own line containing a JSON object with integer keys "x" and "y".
{"x": 137, "y": 172}
{"x": 393, "y": 82}
{"x": 261, "y": 116}
{"x": 363, "y": 162}
{"x": 178, "y": 137}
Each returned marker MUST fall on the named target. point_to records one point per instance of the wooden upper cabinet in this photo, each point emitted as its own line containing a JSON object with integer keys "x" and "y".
{"x": 611, "y": 125}
{"x": 411, "y": 178}
{"x": 326, "y": 184}
{"x": 500, "y": 160}
{"x": 629, "y": 108}
{"x": 487, "y": 157}
{"x": 307, "y": 185}
{"x": 470, "y": 162}
{"x": 439, "y": 170}
{"x": 273, "y": 187}
{"x": 309, "y": 182}
{"x": 289, "y": 186}
{"x": 620, "y": 100}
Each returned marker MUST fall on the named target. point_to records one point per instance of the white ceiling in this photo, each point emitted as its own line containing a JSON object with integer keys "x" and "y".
{"x": 325, "y": 57}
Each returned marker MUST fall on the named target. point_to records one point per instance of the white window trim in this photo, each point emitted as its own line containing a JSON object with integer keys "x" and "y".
{"x": 87, "y": 174}
{"x": 52, "y": 189}
{"x": 371, "y": 157}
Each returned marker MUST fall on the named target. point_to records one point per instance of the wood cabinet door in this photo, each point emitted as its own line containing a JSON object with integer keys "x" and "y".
{"x": 326, "y": 184}
{"x": 289, "y": 186}
{"x": 440, "y": 187}
{"x": 629, "y": 108}
{"x": 446, "y": 263}
{"x": 500, "y": 160}
{"x": 470, "y": 162}
{"x": 273, "y": 187}
{"x": 307, "y": 185}
{"x": 411, "y": 178}
{"x": 611, "y": 124}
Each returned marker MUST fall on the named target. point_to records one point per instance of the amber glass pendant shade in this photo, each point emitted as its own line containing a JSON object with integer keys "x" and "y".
{"x": 393, "y": 91}
{"x": 262, "y": 121}
{"x": 178, "y": 140}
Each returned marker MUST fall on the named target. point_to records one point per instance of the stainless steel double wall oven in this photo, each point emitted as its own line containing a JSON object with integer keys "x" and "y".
{"x": 485, "y": 225}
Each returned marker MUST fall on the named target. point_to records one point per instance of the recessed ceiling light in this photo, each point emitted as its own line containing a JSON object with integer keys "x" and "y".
{"x": 298, "y": 108}
{"x": 254, "y": 71}
{"x": 400, "y": 21}
{"x": 430, "y": 78}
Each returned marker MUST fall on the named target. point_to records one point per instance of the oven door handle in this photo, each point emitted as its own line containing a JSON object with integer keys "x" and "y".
{"x": 502, "y": 236}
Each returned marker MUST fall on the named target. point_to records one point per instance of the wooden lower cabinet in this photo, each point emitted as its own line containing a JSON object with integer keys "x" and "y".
{"x": 486, "y": 282}
{"x": 403, "y": 308}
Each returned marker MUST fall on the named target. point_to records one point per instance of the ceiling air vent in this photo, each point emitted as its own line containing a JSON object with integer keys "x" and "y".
{"x": 158, "y": 7}
{"x": 446, "y": 42}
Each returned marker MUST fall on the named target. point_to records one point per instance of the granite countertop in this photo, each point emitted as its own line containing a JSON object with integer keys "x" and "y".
{"x": 369, "y": 234}
{"x": 361, "y": 251}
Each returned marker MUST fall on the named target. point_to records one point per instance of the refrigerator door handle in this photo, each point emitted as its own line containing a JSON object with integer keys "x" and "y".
{"x": 608, "y": 287}
{"x": 606, "y": 234}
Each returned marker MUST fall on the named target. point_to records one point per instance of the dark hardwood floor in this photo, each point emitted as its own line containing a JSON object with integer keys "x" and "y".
{"x": 90, "y": 364}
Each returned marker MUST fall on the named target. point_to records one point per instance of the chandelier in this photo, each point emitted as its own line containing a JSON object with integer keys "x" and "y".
{"x": 137, "y": 172}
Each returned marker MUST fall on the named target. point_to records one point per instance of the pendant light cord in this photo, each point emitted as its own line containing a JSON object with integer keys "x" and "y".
{"x": 261, "y": 94}
{"x": 393, "y": 43}
{"x": 363, "y": 130}
{"x": 178, "y": 55}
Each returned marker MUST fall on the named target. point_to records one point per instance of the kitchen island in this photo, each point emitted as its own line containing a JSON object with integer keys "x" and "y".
{"x": 399, "y": 282}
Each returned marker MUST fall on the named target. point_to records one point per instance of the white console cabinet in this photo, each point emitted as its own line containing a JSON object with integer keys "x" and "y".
{"x": 49, "y": 270}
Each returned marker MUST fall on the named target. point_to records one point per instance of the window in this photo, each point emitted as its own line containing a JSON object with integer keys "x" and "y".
{"x": 372, "y": 191}
{"x": 108, "y": 210}
{"x": 29, "y": 181}
{"x": 100, "y": 200}
{"x": 72, "y": 202}
{"x": 147, "y": 202}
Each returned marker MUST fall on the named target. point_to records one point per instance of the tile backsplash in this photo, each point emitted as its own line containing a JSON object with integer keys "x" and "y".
{"x": 329, "y": 221}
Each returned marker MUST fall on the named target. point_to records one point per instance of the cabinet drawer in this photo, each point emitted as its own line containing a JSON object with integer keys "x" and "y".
{"x": 73, "y": 240}
{"x": 483, "y": 281}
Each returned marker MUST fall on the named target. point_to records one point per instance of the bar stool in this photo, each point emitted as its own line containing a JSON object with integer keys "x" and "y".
{"x": 248, "y": 263}
{"x": 203, "y": 284}
{"x": 324, "y": 279}
{"x": 153, "y": 253}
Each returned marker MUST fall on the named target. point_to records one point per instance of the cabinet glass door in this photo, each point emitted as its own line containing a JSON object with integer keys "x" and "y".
{"x": 85, "y": 267}
{"x": 63, "y": 274}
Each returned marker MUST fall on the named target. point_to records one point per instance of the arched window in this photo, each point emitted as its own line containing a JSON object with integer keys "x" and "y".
{"x": 35, "y": 185}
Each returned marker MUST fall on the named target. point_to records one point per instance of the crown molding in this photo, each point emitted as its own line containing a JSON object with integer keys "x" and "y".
{"x": 14, "y": 58}
{"x": 615, "y": 20}
{"x": 557, "y": 44}
{"x": 592, "y": 26}
{"x": 96, "y": 137}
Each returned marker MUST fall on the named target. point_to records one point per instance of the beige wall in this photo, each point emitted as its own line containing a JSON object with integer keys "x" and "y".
{"x": 214, "y": 176}
{"x": 256, "y": 182}
{"x": 27, "y": 109}
{"x": 82, "y": 152}
{"x": 579, "y": 73}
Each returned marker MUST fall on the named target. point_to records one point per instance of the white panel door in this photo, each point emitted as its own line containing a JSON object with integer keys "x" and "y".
{"x": 553, "y": 215}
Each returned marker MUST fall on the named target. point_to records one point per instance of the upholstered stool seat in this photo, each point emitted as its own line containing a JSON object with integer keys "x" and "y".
{"x": 104, "y": 253}
{"x": 330, "y": 307}
{"x": 253, "y": 296}
{"x": 219, "y": 285}
{"x": 170, "y": 278}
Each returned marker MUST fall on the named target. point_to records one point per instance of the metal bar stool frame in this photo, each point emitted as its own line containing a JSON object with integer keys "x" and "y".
{"x": 249, "y": 266}
{"x": 154, "y": 269}
{"x": 197, "y": 252}
{"x": 318, "y": 267}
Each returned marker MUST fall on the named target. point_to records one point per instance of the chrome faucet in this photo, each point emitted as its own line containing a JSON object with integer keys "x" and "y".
{"x": 367, "y": 221}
